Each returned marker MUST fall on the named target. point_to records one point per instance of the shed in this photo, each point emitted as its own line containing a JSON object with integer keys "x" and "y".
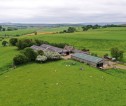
{"x": 88, "y": 59}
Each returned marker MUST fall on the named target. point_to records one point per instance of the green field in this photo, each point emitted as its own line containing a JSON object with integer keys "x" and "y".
{"x": 18, "y": 32}
{"x": 54, "y": 84}
{"x": 60, "y": 83}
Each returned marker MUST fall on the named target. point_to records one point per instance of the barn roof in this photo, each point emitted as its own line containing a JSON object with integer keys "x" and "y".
{"x": 88, "y": 57}
{"x": 52, "y": 48}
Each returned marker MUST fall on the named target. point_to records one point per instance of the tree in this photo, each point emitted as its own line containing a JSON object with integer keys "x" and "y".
{"x": 23, "y": 43}
{"x": 4, "y": 43}
{"x": 13, "y": 41}
{"x": 3, "y": 29}
{"x": 30, "y": 54}
{"x": 35, "y": 33}
{"x": 71, "y": 30}
{"x": 0, "y": 28}
{"x": 95, "y": 26}
{"x": 20, "y": 59}
{"x": 85, "y": 28}
{"x": 116, "y": 53}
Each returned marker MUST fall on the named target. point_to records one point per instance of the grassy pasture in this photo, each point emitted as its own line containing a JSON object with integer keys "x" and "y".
{"x": 97, "y": 41}
{"x": 55, "y": 84}
{"x": 6, "y": 56}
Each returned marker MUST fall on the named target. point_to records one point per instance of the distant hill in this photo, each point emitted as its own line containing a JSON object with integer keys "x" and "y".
{"x": 60, "y": 24}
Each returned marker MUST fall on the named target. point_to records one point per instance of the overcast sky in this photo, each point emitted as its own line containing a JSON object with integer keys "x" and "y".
{"x": 62, "y": 11}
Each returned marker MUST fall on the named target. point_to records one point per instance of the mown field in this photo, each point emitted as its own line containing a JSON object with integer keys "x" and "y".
{"x": 60, "y": 83}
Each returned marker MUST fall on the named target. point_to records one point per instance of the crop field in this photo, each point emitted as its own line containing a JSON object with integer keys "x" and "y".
{"x": 62, "y": 83}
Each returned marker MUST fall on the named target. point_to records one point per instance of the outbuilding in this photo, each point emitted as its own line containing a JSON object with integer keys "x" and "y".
{"x": 88, "y": 59}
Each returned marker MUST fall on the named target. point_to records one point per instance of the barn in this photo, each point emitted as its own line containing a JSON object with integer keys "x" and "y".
{"x": 88, "y": 59}
{"x": 54, "y": 49}
{"x": 45, "y": 47}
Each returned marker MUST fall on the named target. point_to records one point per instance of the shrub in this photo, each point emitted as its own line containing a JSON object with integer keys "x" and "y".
{"x": 94, "y": 54}
{"x": 13, "y": 41}
{"x": 71, "y": 30}
{"x": 30, "y": 54}
{"x": 4, "y": 43}
{"x": 23, "y": 43}
{"x": 60, "y": 45}
{"x": 116, "y": 53}
{"x": 38, "y": 42}
{"x": 40, "y": 52}
{"x": 20, "y": 59}
{"x": 52, "y": 55}
{"x": 41, "y": 58}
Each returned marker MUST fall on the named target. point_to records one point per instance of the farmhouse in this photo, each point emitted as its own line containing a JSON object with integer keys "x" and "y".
{"x": 91, "y": 60}
{"x": 45, "y": 47}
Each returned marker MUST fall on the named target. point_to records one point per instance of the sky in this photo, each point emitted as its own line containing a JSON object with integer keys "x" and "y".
{"x": 62, "y": 11}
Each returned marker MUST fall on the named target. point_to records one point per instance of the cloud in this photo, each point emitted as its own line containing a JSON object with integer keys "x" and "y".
{"x": 62, "y": 11}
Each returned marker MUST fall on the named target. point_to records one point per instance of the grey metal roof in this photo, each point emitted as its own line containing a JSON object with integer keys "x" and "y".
{"x": 88, "y": 57}
{"x": 46, "y": 47}
{"x": 52, "y": 48}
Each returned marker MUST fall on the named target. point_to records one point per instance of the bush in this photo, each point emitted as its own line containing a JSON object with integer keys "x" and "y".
{"x": 20, "y": 59}
{"x": 13, "y": 41}
{"x": 40, "y": 52}
{"x": 30, "y": 54}
{"x": 71, "y": 30}
{"x": 116, "y": 53}
{"x": 41, "y": 58}
{"x": 52, "y": 55}
{"x": 4, "y": 43}
{"x": 60, "y": 45}
{"x": 23, "y": 43}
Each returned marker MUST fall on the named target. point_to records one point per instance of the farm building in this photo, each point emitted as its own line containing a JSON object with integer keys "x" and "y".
{"x": 71, "y": 49}
{"x": 91, "y": 60}
{"x": 45, "y": 47}
{"x": 54, "y": 49}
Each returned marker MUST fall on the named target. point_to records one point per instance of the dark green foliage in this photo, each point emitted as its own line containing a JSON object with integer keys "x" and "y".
{"x": 23, "y": 43}
{"x": 0, "y": 28}
{"x": 40, "y": 52}
{"x": 11, "y": 29}
{"x": 95, "y": 26}
{"x": 35, "y": 33}
{"x": 13, "y": 41}
{"x": 94, "y": 54}
{"x": 71, "y": 30}
{"x": 40, "y": 42}
{"x": 3, "y": 29}
{"x": 106, "y": 55}
{"x": 30, "y": 54}
{"x": 20, "y": 59}
{"x": 85, "y": 28}
{"x": 116, "y": 53}
{"x": 84, "y": 49}
{"x": 60, "y": 45}
{"x": 4, "y": 43}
